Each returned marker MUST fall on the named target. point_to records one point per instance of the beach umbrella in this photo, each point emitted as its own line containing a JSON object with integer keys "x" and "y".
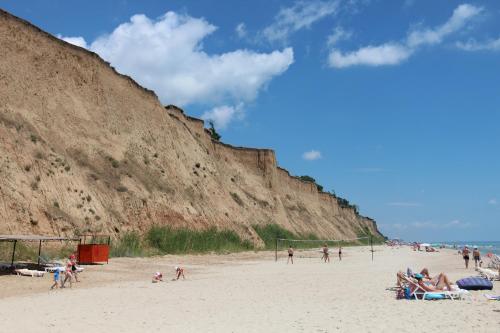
{"x": 425, "y": 244}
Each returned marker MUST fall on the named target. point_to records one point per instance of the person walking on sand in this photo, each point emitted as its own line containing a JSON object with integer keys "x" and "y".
{"x": 74, "y": 271}
{"x": 465, "y": 254}
{"x": 326, "y": 255}
{"x": 290, "y": 255}
{"x": 179, "y": 271}
{"x": 477, "y": 257}
{"x": 56, "y": 279}
{"x": 340, "y": 253}
{"x": 68, "y": 276}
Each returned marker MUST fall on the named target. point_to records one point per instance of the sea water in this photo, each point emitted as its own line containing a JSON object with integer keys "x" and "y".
{"x": 483, "y": 247}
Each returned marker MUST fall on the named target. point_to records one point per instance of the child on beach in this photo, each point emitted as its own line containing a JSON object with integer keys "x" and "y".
{"x": 157, "y": 277}
{"x": 179, "y": 271}
{"x": 56, "y": 279}
{"x": 290, "y": 255}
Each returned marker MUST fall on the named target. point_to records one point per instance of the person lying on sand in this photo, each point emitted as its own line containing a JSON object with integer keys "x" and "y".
{"x": 179, "y": 271}
{"x": 157, "y": 277}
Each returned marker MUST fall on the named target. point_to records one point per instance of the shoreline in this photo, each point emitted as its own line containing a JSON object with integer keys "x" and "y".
{"x": 249, "y": 292}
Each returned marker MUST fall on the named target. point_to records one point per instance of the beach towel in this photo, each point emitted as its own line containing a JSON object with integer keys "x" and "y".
{"x": 475, "y": 283}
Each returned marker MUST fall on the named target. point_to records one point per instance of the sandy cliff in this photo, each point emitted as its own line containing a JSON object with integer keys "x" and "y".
{"x": 83, "y": 148}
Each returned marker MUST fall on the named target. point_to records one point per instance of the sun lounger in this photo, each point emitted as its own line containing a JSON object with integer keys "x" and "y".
{"x": 29, "y": 272}
{"x": 418, "y": 292}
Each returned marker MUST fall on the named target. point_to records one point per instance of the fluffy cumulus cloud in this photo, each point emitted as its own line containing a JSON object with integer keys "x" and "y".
{"x": 167, "y": 56}
{"x": 312, "y": 155}
{"x": 78, "y": 41}
{"x": 301, "y": 15}
{"x": 393, "y": 53}
{"x": 221, "y": 116}
{"x": 473, "y": 45}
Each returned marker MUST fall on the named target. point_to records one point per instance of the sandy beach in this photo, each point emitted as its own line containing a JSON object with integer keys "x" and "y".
{"x": 247, "y": 292}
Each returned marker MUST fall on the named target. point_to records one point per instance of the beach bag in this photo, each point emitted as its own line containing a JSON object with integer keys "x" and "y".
{"x": 407, "y": 293}
{"x": 475, "y": 283}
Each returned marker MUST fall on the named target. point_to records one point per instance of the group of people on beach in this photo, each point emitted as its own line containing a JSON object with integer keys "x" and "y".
{"x": 324, "y": 250}
{"x": 476, "y": 255}
{"x": 69, "y": 271}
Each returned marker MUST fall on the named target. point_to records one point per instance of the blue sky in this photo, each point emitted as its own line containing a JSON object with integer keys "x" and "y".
{"x": 394, "y": 105}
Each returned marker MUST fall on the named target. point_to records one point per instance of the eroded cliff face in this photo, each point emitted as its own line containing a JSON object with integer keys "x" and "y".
{"x": 85, "y": 149}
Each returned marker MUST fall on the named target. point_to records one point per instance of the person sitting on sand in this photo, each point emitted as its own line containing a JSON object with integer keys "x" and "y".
{"x": 157, "y": 277}
{"x": 326, "y": 255}
{"x": 179, "y": 271}
{"x": 290, "y": 255}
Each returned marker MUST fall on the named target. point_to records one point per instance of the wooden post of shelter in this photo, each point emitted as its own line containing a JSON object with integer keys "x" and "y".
{"x": 13, "y": 253}
{"x": 276, "y": 250}
{"x": 39, "y": 251}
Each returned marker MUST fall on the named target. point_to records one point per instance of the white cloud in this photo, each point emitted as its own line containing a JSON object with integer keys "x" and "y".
{"x": 337, "y": 35}
{"x": 473, "y": 45}
{"x": 299, "y": 16}
{"x": 223, "y": 115}
{"x": 386, "y": 54}
{"x": 461, "y": 15}
{"x": 167, "y": 56}
{"x": 312, "y": 155}
{"x": 393, "y": 53}
{"x": 241, "y": 30}
{"x": 78, "y": 41}
{"x": 404, "y": 204}
{"x": 493, "y": 201}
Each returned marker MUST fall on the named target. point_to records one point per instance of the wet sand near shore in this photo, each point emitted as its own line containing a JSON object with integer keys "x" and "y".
{"x": 248, "y": 292}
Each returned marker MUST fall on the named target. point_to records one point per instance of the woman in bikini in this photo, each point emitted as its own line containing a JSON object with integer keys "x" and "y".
{"x": 441, "y": 283}
{"x": 290, "y": 255}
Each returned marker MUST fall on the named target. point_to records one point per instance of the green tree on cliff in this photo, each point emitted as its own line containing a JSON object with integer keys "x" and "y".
{"x": 213, "y": 133}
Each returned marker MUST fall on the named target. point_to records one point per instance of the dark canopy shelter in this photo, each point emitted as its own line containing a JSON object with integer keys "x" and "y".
{"x": 32, "y": 238}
